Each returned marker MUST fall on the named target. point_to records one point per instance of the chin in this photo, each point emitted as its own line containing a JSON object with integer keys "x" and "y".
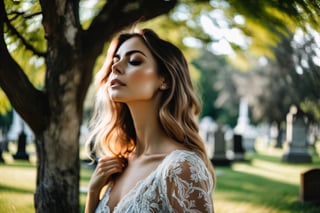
{"x": 117, "y": 98}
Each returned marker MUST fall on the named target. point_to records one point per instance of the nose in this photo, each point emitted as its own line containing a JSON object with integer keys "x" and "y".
{"x": 116, "y": 68}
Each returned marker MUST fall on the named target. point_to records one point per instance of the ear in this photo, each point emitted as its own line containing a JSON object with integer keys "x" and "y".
{"x": 164, "y": 85}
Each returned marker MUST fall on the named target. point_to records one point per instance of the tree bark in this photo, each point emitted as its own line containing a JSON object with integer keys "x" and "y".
{"x": 55, "y": 114}
{"x": 58, "y": 171}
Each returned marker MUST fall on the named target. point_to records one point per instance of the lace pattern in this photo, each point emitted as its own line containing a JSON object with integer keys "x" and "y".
{"x": 181, "y": 183}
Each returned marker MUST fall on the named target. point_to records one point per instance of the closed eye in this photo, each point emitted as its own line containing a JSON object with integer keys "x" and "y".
{"x": 135, "y": 62}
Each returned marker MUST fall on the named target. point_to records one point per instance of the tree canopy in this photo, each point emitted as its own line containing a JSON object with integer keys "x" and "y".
{"x": 49, "y": 49}
{"x": 260, "y": 21}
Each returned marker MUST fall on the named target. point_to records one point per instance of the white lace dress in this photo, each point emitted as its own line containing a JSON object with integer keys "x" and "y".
{"x": 181, "y": 183}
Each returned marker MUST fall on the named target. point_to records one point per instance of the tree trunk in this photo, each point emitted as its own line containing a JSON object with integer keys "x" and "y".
{"x": 55, "y": 113}
{"x": 58, "y": 165}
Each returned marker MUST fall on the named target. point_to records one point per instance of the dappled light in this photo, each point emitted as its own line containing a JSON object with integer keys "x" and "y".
{"x": 261, "y": 184}
{"x": 251, "y": 63}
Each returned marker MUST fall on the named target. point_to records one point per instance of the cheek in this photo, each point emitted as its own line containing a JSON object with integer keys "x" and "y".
{"x": 146, "y": 81}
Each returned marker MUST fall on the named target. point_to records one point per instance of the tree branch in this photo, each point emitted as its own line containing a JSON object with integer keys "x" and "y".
{"x": 16, "y": 14}
{"x": 22, "y": 39}
{"x": 114, "y": 16}
{"x": 29, "y": 102}
{"x": 118, "y": 14}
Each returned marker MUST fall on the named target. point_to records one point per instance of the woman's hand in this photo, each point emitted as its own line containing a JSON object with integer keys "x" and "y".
{"x": 107, "y": 166}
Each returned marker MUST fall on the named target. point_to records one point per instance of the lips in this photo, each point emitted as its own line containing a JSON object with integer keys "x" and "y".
{"x": 116, "y": 83}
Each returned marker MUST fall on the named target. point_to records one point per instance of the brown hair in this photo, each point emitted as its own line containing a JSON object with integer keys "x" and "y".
{"x": 113, "y": 128}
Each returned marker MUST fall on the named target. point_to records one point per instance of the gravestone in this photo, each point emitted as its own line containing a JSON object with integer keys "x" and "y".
{"x": 228, "y": 137}
{"x": 310, "y": 186}
{"x": 1, "y": 151}
{"x": 220, "y": 153}
{"x": 21, "y": 152}
{"x": 238, "y": 148}
{"x": 2, "y": 146}
{"x": 18, "y": 125}
{"x": 207, "y": 127}
{"x": 244, "y": 129}
{"x": 297, "y": 150}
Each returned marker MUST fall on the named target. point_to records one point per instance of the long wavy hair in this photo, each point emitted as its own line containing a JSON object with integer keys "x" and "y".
{"x": 112, "y": 126}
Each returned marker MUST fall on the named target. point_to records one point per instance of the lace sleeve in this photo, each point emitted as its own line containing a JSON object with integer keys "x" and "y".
{"x": 188, "y": 186}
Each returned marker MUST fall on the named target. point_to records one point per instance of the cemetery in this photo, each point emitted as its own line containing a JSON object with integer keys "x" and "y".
{"x": 252, "y": 175}
{"x": 253, "y": 64}
{"x": 263, "y": 183}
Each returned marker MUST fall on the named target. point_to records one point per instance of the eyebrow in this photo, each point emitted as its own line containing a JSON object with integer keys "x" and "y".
{"x": 130, "y": 53}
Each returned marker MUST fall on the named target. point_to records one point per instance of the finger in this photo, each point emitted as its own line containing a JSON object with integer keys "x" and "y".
{"x": 109, "y": 169}
{"x": 107, "y": 158}
{"x": 114, "y": 162}
{"x": 114, "y": 170}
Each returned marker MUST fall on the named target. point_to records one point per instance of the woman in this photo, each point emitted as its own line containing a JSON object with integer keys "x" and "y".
{"x": 153, "y": 159}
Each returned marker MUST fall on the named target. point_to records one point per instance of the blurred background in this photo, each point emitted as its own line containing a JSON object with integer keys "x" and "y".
{"x": 255, "y": 66}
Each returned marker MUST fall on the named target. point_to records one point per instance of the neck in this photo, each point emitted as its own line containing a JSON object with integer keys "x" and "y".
{"x": 150, "y": 135}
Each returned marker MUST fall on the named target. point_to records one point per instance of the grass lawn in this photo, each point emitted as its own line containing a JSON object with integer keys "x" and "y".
{"x": 17, "y": 185}
{"x": 261, "y": 184}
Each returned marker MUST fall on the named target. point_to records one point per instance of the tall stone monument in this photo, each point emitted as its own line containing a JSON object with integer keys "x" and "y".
{"x": 244, "y": 133}
{"x": 296, "y": 138}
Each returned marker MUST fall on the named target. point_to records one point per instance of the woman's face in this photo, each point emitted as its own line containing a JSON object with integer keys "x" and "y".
{"x": 133, "y": 76}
